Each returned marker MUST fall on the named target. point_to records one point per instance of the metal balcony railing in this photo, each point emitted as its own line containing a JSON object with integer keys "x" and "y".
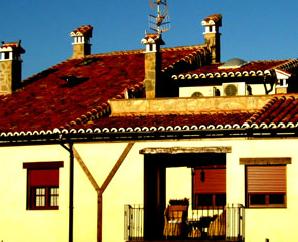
{"x": 133, "y": 222}
{"x": 226, "y": 223}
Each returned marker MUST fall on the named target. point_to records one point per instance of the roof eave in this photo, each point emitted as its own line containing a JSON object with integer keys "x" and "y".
{"x": 82, "y": 136}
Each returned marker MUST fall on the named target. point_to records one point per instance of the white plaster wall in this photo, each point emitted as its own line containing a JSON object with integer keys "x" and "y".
{"x": 277, "y": 224}
{"x": 260, "y": 223}
{"x": 126, "y": 187}
{"x": 207, "y": 91}
{"x": 16, "y": 223}
{"x": 178, "y": 183}
{"x": 259, "y": 89}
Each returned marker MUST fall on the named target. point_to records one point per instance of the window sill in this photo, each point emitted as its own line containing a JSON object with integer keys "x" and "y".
{"x": 43, "y": 208}
{"x": 268, "y": 206}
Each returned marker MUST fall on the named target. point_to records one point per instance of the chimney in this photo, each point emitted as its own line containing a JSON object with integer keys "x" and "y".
{"x": 81, "y": 41}
{"x": 212, "y": 35}
{"x": 10, "y": 67}
{"x": 152, "y": 64}
{"x": 282, "y": 81}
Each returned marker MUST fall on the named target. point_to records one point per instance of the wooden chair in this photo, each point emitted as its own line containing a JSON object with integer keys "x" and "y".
{"x": 218, "y": 226}
{"x": 175, "y": 217}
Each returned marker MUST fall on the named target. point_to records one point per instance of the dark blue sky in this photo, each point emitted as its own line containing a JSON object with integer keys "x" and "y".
{"x": 252, "y": 30}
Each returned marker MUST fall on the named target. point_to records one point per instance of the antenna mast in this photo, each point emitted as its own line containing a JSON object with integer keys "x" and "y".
{"x": 159, "y": 22}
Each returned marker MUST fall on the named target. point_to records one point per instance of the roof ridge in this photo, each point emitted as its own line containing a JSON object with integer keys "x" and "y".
{"x": 141, "y": 51}
{"x": 289, "y": 64}
{"x": 198, "y": 58}
{"x": 270, "y": 107}
{"x": 186, "y": 47}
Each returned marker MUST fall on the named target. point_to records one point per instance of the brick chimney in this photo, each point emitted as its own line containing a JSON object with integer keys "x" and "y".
{"x": 212, "y": 35}
{"x": 152, "y": 63}
{"x": 81, "y": 41}
{"x": 10, "y": 67}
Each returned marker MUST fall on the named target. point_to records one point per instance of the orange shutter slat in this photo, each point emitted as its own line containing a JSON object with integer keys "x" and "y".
{"x": 266, "y": 179}
{"x": 214, "y": 181}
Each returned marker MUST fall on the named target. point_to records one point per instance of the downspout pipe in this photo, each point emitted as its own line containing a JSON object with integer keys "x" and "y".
{"x": 270, "y": 82}
{"x": 69, "y": 148}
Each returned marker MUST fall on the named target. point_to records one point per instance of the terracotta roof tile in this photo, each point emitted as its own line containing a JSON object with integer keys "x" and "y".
{"x": 216, "y": 18}
{"x": 279, "y": 109}
{"x": 251, "y": 66}
{"x": 85, "y": 30}
{"x": 48, "y": 101}
{"x": 173, "y": 120}
{"x": 14, "y": 45}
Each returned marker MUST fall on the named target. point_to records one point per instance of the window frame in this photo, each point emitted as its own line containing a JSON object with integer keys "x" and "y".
{"x": 6, "y": 55}
{"x": 267, "y": 195}
{"x": 47, "y": 197}
{"x": 267, "y": 202}
{"x": 31, "y": 191}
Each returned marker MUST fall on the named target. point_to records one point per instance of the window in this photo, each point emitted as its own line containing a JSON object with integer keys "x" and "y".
{"x": 6, "y": 55}
{"x": 209, "y": 187}
{"x": 266, "y": 185}
{"x": 42, "y": 185}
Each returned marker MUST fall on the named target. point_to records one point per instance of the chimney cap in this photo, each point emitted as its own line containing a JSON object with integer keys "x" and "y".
{"x": 214, "y": 19}
{"x": 152, "y": 39}
{"x": 84, "y": 30}
{"x": 12, "y": 46}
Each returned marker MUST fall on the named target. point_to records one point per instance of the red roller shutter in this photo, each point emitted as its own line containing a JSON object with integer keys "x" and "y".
{"x": 266, "y": 179}
{"x": 209, "y": 180}
{"x": 44, "y": 178}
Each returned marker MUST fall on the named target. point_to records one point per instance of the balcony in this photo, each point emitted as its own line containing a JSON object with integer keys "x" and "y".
{"x": 183, "y": 224}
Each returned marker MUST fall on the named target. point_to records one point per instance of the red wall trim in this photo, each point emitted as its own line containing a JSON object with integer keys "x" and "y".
{"x": 43, "y": 165}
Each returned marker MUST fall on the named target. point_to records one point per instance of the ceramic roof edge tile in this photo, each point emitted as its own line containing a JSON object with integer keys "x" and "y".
{"x": 196, "y": 59}
{"x": 252, "y": 68}
{"x": 268, "y": 114}
{"x": 289, "y": 64}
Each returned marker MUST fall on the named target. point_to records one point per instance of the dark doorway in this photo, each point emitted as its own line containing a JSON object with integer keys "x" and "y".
{"x": 155, "y": 165}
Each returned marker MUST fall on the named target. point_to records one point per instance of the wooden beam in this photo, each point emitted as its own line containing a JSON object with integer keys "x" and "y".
{"x": 266, "y": 161}
{"x": 97, "y": 189}
{"x": 99, "y": 217}
{"x": 100, "y": 190}
{"x": 116, "y": 166}
{"x": 86, "y": 170}
{"x": 186, "y": 150}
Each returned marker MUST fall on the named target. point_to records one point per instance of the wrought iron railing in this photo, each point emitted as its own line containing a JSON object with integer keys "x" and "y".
{"x": 207, "y": 223}
{"x": 133, "y": 222}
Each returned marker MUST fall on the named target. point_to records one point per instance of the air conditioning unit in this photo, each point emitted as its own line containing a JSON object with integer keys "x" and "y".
{"x": 234, "y": 89}
{"x": 197, "y": 94}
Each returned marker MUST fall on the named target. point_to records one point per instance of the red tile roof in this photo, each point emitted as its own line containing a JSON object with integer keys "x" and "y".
{"x": 74, "y": 94}
{"x": 251, "y": 68}
{"x": 77, "y": 90}
{"x": 280, "y": 110}
{"x": 170, "y": 120}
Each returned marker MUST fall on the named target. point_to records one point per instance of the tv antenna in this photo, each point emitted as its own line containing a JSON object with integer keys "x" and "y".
{"x": 159, "y": 22}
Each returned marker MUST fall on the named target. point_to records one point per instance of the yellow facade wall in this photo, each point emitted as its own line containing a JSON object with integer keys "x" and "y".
{"x": 17, "y": 223}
